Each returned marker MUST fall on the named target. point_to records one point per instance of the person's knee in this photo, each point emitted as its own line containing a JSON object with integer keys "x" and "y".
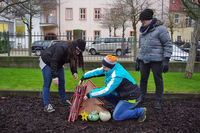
{"x": 116, "y": 117}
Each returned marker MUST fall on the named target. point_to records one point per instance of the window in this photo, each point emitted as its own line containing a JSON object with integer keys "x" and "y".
{"x": 69, "y": 35}
{"x": 82, "y": 13}
{"x": 51, "y": 17}
{"x": 96, "y": 34}
{"x": 173, "y": 2}
{"x": 176, "y": 18}
{"x": 188, "y": 21}
{"x": 179, "y": 38}
{"x": 84, "y": 35}
{"x": 115, "y": 12}
{"x": 131, "y": 33}
{"x": 97, "y": 13}
{"x": 69, "y": 14}
{"x": 0, "y": 5}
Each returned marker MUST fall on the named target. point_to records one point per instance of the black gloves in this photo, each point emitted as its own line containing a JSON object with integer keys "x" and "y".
{"x": 165, "y": 65}
{"x": 137, "y": 65}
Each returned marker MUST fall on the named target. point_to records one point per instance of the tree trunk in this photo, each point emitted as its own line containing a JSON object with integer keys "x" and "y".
{"x": 192, "y": 56}
{"x": 172, "y": 32}
{"x": 115, "y": 32}
{"x": 191, "y": 60}
{"x": 123, "y": 44}
{"x": 135, "y": 41}
{"x": 110, "y": 31}
{"x": 30, "y": 36}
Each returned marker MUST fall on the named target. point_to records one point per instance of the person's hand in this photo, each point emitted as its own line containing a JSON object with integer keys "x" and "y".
{"x": 137, "y": 65}
{"x": 80, "y": 83}
{"x": 165, "y": 65}
{"x": 75, "y": 76}
{"x": 55, "y": 82}
{"x": 85, "y": 97}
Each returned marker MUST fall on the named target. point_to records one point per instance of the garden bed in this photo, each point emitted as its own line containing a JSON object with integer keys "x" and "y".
{"x": 20, "y": 114}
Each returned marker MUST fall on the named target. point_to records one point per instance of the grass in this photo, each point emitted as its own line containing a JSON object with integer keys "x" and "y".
{"x": 31, "y": 79}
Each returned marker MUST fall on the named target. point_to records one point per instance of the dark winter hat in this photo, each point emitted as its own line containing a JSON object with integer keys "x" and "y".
{"x": 109, "y": 61}
{"x": 146, "y": 14}
{"x": 79, "y": 44}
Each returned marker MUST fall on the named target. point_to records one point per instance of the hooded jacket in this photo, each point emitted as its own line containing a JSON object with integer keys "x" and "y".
{"x": 117, "y": 82}
{"x": 56, "y": 56}
{"x": 154, "y": 42}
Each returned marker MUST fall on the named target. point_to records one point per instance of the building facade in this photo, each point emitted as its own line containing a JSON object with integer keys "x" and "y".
{"x": 183, "y": 24}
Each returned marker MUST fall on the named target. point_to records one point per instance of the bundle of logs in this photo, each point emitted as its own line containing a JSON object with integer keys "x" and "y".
{"x": 76, "y": 102}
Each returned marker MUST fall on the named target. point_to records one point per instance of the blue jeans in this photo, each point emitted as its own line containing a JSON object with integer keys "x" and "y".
{"x": 124, "y": 110}
{"x": 46, "y": 72}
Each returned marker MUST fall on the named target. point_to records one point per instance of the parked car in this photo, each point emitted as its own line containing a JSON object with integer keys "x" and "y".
{"x": 178, "y": 54}
{"x": 39, "y": 46}
{"x": 186, "y": 48}
{"x": 107, "y": 45}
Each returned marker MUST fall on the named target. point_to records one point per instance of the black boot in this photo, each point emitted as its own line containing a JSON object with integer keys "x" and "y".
{"x": 157, "y": 105}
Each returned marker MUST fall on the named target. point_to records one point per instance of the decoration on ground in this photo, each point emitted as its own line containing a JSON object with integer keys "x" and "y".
{"x": 79, "y": 105}
{"x": 84, "y": 116}
{"x": 93, "y": 104}
{"x": 104, "y": 116}
{"x": 76, "y": 101}
{"x": 93, "y": 116}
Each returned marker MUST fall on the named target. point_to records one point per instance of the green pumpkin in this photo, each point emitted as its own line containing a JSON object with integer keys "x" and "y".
{"x": 93, "y": 116}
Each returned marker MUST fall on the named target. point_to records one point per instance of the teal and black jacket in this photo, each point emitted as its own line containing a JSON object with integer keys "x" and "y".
{"x": 117, "y": 82}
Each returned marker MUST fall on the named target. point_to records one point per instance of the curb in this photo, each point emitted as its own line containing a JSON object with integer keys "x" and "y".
{"x": 69, "y": 94}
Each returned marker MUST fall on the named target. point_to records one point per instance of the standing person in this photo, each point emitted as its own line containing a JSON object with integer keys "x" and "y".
{"x": 155, "y": 49}
{"x": 51, "y": 63}
{"x": 121, "y": 90}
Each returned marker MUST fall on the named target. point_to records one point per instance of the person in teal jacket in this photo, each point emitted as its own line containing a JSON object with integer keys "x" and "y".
{"x": 120, "y": 89}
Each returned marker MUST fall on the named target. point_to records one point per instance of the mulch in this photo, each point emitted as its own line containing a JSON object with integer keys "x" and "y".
{"x": 21, "y": 114}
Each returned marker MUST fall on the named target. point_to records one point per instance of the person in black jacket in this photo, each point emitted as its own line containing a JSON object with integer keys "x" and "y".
{"x": 51, "y": 62}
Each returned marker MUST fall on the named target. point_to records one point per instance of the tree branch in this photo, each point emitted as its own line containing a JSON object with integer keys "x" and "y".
{"x": 12, "y": 4}
{"x": 190, "y": 10}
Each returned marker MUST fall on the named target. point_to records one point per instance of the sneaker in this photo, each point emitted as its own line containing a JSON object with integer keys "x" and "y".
{"x": 143, "y": 116}
{"x": 157, "y": 105}
{"x": 48, "y": 108}
{"x": 66, "y": 103}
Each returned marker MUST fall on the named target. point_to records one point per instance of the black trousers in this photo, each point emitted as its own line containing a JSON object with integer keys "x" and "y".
{"x": 156, "y": 68}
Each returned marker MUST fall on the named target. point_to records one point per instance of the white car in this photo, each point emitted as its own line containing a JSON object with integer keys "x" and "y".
{"x": 178, "y": 54}
{"x": 107, "y": 45}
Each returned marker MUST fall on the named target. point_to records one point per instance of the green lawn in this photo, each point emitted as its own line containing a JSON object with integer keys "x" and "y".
{"x": 31, "y": 79}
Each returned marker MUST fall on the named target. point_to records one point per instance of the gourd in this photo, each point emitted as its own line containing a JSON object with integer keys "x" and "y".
{"x": 104, "y": 116}
{"x": 93, "y": 116}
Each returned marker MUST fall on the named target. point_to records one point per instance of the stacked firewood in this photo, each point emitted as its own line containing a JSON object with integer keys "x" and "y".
{"x": 76, "y": 102}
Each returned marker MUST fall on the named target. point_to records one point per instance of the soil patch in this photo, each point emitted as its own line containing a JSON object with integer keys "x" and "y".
{"x": 25, "y": 115}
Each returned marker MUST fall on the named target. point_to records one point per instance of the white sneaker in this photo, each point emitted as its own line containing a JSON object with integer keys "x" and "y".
{"x": 49, "y": 108}
{"x": 67, "y": 103}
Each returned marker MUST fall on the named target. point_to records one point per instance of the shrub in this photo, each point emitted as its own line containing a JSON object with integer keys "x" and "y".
{"x": 3, "y": 42}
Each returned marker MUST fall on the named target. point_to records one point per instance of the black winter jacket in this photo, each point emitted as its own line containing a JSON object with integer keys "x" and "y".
{"x": 56, "y": 56}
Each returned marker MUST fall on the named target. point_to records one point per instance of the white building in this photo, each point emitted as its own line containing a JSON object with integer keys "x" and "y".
{"x": 87, "y": 14}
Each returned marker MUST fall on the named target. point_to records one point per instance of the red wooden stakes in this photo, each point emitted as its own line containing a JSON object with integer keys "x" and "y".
{"x": 76, "y": 101}
{"x": 79, "y": 105}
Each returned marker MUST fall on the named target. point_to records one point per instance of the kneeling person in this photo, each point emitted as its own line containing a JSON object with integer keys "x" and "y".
{"x": 120, "y": 89}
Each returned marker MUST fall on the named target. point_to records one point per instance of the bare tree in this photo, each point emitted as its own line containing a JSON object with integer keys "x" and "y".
{"x": 135, "y": 7}
{"x": 10, "y": 4}
{"x": 26, "y": 11}
{"x": 115, "y": 19}
{"x": 171, "y": 25}
{"x": 110, "y": 19}
{"x": 106, "y": 21}
{"x": 123, "y": 17}
{"x": 193, "y": 10}
{"x": 165, "y": 15}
